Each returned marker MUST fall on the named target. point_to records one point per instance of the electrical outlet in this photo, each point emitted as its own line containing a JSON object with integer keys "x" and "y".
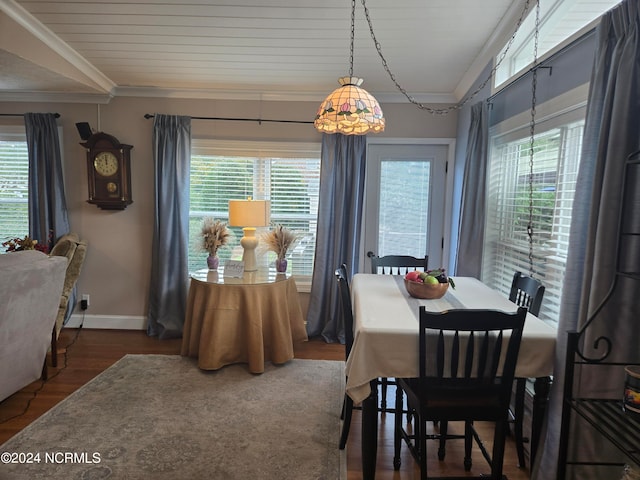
{"x": 84, "y": 303}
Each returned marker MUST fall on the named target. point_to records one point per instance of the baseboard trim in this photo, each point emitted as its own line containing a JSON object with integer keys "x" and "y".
{"x": 110, "y": 322}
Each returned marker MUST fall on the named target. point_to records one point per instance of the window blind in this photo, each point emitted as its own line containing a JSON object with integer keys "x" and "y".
{"x": 557, "y": 149}
{"x": 14, "y": 186}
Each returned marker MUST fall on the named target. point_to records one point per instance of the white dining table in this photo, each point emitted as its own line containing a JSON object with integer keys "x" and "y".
{"x": 386, "y": 344}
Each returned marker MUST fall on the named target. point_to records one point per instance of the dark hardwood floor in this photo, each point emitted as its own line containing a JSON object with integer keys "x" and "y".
{"x": 86, "y": 353}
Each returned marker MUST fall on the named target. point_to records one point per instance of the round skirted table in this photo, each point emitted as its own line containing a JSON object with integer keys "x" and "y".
{"x": 242, "y": 320}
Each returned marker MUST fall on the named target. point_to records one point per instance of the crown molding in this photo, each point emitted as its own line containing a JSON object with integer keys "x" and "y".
{"x": 55, "y": 97}
{"x": 273, "y": 96}
{"x": 239, "y": 95}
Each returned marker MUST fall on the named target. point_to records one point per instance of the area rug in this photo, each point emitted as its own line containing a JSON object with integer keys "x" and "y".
{"x": 160, "y": 417}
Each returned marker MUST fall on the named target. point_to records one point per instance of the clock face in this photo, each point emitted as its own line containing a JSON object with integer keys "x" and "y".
{"x": 106, "y": 164}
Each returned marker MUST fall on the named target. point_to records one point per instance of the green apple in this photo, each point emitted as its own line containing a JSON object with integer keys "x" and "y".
{"x": 423, "y": 275}
{"x": 431, "y": 280}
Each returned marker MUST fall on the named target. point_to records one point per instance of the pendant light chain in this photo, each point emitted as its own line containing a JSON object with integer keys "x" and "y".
{"x": 532, "y": 132}
{"x": 459, "y": 105}
{"x": 353, "y": 34}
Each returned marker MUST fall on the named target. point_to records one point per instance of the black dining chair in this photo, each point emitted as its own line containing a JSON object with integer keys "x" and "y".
{"x": 394, "y": 265}
{"x": 347, "y": 318}
{"x": 397, "y": 264}
{"x": 467, "y": 362}
{"x": 526, "y": 292}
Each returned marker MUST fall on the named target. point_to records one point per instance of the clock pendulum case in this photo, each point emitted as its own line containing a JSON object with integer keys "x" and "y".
{"x": 108, "y": 172}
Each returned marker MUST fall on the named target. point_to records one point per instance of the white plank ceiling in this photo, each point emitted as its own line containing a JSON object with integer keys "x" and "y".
{"x": 269, "y": 49}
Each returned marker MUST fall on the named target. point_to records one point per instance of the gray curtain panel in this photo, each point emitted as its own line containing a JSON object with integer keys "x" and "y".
{"x": 48, "y": 218}
{"x": 170, "y": 251}
{"x": 611, "y": 134}
{"x": 474, "y": 188}
{"x": 339, "y": 220}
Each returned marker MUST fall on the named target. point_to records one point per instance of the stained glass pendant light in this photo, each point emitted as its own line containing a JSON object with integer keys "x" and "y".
{"x": 350, "y": 109}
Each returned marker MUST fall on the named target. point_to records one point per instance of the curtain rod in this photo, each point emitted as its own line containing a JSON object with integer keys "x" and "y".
{"x": 57, "y": 115}
{"x": 259, "y": 120}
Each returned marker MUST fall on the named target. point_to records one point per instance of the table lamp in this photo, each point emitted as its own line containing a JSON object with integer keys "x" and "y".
{"x": 249, "y": 214}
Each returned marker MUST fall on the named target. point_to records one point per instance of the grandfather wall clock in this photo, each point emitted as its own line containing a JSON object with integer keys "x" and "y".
{"x": 108, "y": 171}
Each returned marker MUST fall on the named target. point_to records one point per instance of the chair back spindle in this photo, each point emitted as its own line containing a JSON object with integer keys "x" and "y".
{"x": 484, "y": 333}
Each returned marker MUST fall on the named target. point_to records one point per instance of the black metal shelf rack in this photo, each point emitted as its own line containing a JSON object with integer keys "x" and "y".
{"x": 608, "y": 417}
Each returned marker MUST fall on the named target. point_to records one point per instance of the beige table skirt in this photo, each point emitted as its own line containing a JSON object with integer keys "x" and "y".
{"x": 244, "y": 323}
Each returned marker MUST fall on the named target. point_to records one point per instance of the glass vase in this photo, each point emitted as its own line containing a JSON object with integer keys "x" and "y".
{"x": 212, "y": 262}
{"x": 281, "y": 265}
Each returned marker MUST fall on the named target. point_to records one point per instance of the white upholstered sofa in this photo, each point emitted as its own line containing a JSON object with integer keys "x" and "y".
{"x": 31, "y": 283}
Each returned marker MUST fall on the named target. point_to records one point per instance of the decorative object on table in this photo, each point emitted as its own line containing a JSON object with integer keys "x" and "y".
{"x": 431, "y": 284}
{"x": 249, "y": 214}
{"x": 632, "y": 389}
{"x": 280, "y": 240}
{"x": 27, "y": 243}
{"x": 215, "y": 234}
{"x": 234, "y": 269}
{"x": 213, "y": 262}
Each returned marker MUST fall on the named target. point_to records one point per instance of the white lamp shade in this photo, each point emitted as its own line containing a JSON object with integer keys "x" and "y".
{"x": 249, "y": 213}
{"x": 350, "y": 110}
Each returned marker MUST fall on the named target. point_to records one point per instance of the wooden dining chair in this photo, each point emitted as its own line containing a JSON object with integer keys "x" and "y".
{"x": 525, "y": 292}
{"x": 347, "y": 318}
{"x": 467, "y": 362}
{"x": 394, "y": 265}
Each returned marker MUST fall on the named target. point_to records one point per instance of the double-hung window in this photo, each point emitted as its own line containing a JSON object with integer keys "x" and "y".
{"x": 287, "y": 174}
{"x": 515, "y": 192}
{"x": 14, "y": 184}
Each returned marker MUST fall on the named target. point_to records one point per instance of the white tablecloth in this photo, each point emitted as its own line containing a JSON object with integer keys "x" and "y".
{"x": 386, "y": 329}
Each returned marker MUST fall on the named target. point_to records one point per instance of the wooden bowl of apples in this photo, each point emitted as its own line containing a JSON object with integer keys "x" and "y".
{"x": 425, "y": 285}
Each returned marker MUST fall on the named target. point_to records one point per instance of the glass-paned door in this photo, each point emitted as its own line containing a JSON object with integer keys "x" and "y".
{"x": 405, "y": 201}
